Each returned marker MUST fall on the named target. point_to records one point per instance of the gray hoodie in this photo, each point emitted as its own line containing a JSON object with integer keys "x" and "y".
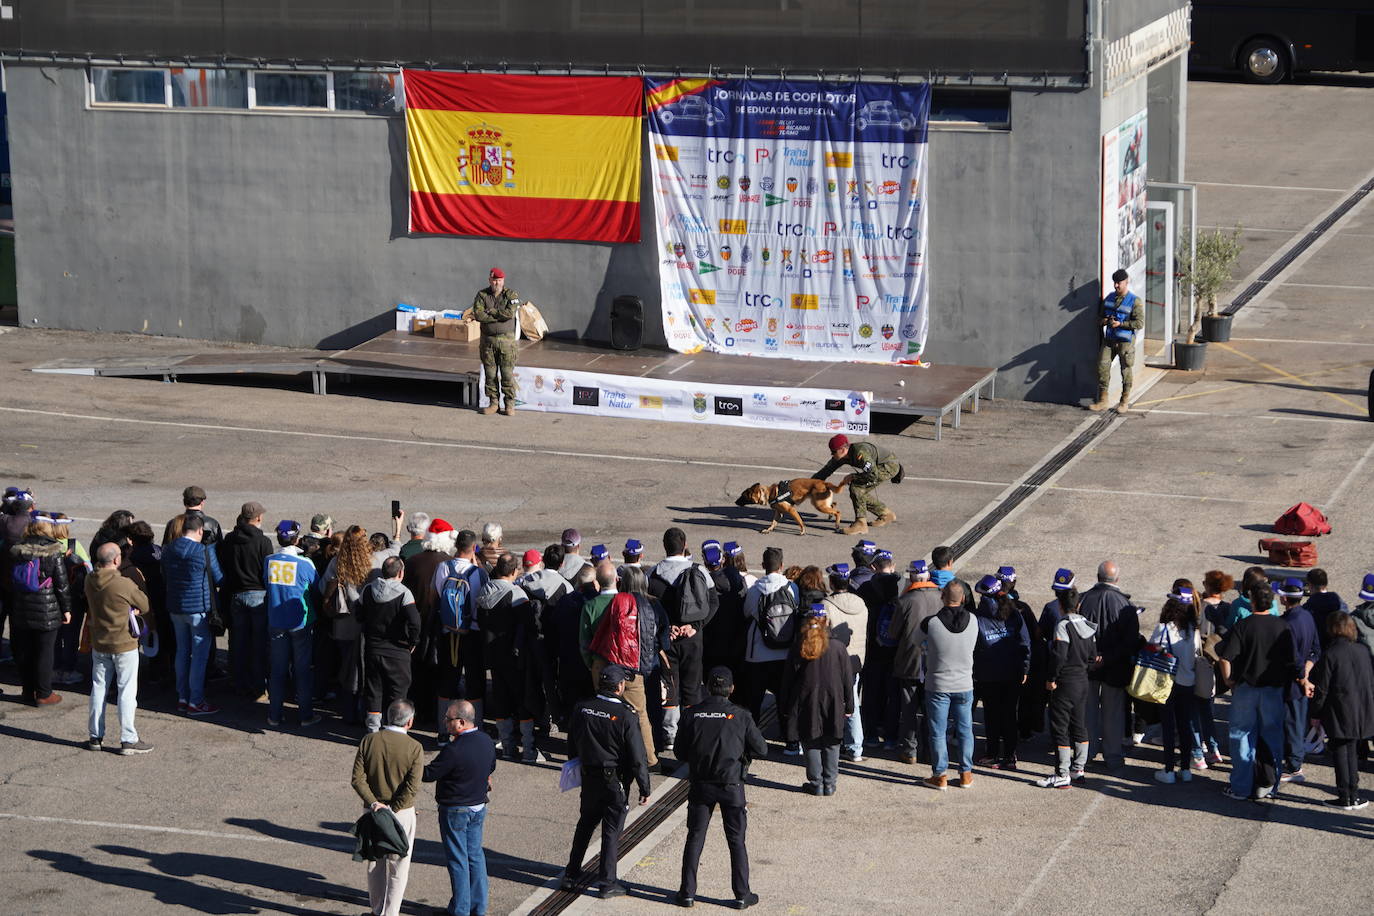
{"x": 543, "y": 584}
{"x": 757, "y": 651}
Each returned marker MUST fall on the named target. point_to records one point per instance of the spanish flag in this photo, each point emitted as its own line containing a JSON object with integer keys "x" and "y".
{"x": 529, "y": 157}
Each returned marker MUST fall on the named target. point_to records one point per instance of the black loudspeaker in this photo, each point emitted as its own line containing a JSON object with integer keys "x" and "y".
{"x": 627, "y": 322}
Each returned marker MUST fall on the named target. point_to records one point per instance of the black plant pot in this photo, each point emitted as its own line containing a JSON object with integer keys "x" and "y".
{"x": 1216, "y": 328}
{"x": 1190, "y": 356}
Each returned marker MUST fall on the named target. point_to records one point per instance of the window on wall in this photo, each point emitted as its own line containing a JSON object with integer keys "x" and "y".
{"x": 129, "y": 87}
{"x": 204, "y": 88}
{"x": 988, "y": 108}
{"x": 362, "y": 91}
{"x": 291, "y": 90}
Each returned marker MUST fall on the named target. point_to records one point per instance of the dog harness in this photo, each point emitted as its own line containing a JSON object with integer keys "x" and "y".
{"x": 784, "y": 490}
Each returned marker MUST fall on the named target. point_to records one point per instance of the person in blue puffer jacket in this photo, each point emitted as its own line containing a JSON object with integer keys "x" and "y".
{"x": 1001, "y": 661}
{"x": 191, "y": 573}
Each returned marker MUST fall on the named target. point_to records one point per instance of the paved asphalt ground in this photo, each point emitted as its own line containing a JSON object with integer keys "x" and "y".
{"x": 229, "y": 817}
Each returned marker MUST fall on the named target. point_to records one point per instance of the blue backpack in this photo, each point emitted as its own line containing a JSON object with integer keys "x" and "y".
{"x": 886, "y": 638}
{"x": 455, "y": 597}
{"x": 27, "y": 577}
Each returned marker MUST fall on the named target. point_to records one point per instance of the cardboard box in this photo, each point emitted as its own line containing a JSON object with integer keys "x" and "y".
{"x": 420, "y": 321}
{"x": 454, "y": 329}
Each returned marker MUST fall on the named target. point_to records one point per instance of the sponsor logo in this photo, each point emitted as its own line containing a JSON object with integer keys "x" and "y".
{"x": 839, "y": 329}
{"x": 586, "y": 397}
{"x": 744, "y": 182}
{"x": 709, "y": 322}
{"x": 701, "y": 296}
{"x": 857, "y": 404}
{"x": 853, "y": 427}
{"x": 865, "y": 331}
{"x": 688, "y": 223}
{"x": 805, "y": 301}
{"x": 909, "y": 332}
{"x": 823, "y": 256}
{"x": 812, "y": 403}
{"x": 770, "y": 343}
{"x": 834, "y": 424}
{"x": 725, "y": 252}
{"x": 648, "y": 402}
{"x": 772, "y": 200}
{"x": 788, "y": 401}
{"x": 736, "y": 271}
{"x": 761, "y": 300}
{"x": 812, "y": 186}
{"x": 839, "y": 160}
{"x": 912, "y": 347}
{"x": 729, "y": 407}
{"x": 749, "y": 198}
{"x": 619, "y": 400}
{"x": 811, "y": 422}
{"x": 729, "y": 341}
{"x": 796, "y": 157}
{"x": 701, "y": 251}
{"x": 767, "y": 254}
{"x": 678, "y": 250}
{"x": 723, "y": 182}
{"x": 558, "y": 384}
{"x": 899, "y": 303}
{"x": 699, "y": 404}
{"x": 834, "y": 404}
{"x": 891, "y": 347}
{"x": 831, "y": 186}
{"x": 766, "y": 183}
{"x": 666, "y": 153}
{"x": 887, "y": 331}
{"x": 772, "y": 325}
{"x": 760, "y": 400}
{"x": 696, "y": 181}
{"x": 791, "y": 185}
{"x": 539, "y": 383}
{"x": 705, "y": 267}
{"x": 733, "y": 227}
{"x": 804, "y": 203}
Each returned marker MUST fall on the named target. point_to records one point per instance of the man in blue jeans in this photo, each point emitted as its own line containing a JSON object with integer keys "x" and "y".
{"x": 191, "y": 572}
{"x": 1256, "y": 660}
{"x": 290, "y": 625}
{"x": 462, "y": 772}
{"x": 950, "y": 638}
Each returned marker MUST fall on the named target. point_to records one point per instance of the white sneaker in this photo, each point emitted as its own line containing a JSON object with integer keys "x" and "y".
{"x": 1165, "y": 776}
{"x": 1293, "y": 777}
{"x": 1054, "y": 781}
{"x": 1138, "y": 738}
{"x": 1199, "y": 763}
{"x": 1359, "y": 805}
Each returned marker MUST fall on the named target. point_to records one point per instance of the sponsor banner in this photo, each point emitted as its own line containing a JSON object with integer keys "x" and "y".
{"x": 808, "y": 409}
{"x": 529, "y": 157}
{"x": 791, "y": 217}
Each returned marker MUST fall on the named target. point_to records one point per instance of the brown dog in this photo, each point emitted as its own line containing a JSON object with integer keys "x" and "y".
{"x": 784, "y": 496}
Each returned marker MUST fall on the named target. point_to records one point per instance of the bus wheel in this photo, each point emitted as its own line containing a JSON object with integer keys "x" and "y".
{"x": 1264, "y": 60}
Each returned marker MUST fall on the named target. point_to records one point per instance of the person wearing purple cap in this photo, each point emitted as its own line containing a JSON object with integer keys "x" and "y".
{"x": 848, "y": 624}
{"x": 723, "y": 643}
{"x": 571, "y": 541}
{"x": 633, "y": 552}
{"x": 1001, "y": 666}
{"x": 599, "y": 552}
{"x": 817, "y": 694}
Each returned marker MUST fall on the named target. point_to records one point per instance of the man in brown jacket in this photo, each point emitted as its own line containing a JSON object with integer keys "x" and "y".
{"x": 386, "y": 773}
{"x": 117, "y": 608}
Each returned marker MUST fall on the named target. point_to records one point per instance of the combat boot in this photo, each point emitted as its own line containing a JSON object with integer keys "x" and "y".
{"x": 1101, "y": 402}
{"x": 858, "y": 526}
{"x": 887, "y": 518}
{"x": 488, "y": 410}
{"x": 1125, "y": 403}
{"x": 508, "y": 410}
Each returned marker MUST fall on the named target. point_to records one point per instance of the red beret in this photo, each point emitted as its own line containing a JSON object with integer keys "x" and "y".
{"x": 497, "y": 272}
{"x": 838, "y": 441}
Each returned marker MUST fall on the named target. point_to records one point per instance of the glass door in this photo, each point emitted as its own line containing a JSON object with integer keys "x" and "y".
{"x": 1161, "y": 236}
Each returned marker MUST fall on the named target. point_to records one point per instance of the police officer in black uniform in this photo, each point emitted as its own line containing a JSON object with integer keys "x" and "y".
{"x": 718, "y": 740}
{"x": 604, "y": 734}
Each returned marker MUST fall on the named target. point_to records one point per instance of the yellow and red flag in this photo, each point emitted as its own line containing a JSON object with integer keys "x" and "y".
{"x": 531, "y": 157}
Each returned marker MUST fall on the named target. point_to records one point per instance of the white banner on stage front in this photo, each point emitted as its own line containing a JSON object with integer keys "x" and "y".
{"x": 598, "y": 394}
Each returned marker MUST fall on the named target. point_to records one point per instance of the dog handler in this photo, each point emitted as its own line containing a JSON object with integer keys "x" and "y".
{"x": 873, "y": 466}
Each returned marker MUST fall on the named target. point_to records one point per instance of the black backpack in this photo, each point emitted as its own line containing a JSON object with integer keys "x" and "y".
{"x": 689, "y": 597}
{"x": 886, "y": 637}
{"x": 777, "y": 618}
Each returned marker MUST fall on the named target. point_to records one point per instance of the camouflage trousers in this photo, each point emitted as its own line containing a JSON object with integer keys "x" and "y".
{"x": 498, "y": 367}
{"x": 863, "y": 490}
{"x": 1122, "y": 350}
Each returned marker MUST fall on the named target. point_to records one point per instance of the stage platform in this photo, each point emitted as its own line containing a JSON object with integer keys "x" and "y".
{"x": 936, "y": 391}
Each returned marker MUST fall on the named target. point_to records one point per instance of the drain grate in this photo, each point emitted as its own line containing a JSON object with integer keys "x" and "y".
{"x": 1292, "y": 253}
{"x": 1032, "y": 483}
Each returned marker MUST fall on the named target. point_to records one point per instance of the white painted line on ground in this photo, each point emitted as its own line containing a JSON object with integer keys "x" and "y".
{"x": 1327, "y": 286}
{"x": 1269, "y": 187}
{"x": 431, "y": 443}
{"x": 680, "y": 368}
{"x": 1029, "y": 891}
{"x": 1337, "y": 493}
{"x": 1151, "y": 495}
{"x": 1295, "y": 340}
{"x": 151, "y": 828}
{"x": 1242, "y": 416}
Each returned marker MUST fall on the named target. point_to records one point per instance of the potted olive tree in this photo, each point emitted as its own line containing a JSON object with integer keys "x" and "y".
{"x": 1205, "y": 268}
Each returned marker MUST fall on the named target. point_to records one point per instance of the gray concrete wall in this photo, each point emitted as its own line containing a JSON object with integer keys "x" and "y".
{"x": 290, "y": 229}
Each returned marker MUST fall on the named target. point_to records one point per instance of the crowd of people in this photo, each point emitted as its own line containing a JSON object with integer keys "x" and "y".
{"x": 858, "y": 657}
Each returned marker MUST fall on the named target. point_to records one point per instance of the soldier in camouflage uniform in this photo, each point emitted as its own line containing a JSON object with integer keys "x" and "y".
{"x": 1122, "y": 315}
{"x": 494, "y": 308}
{"x": 873, "y": 466}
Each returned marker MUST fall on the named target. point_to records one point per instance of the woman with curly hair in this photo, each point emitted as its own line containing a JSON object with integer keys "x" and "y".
{"x": 817, "y": 697}
{"x": 343, "y": 583}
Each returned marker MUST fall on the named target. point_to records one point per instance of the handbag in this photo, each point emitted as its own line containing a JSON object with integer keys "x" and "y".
{"x": 1153, "y": 678}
